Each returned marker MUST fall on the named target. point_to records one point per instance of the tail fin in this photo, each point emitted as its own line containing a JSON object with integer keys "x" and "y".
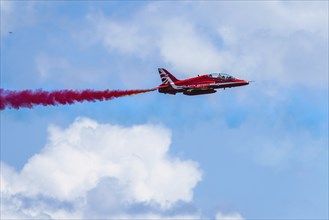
{"x": 166, "y": 77}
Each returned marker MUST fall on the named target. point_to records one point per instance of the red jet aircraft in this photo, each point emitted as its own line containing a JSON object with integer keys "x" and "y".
{"x": 199, "y": 85}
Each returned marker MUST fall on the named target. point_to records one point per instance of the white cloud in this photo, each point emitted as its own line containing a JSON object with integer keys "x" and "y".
{"x": 174, "y": 39}
{"x": 187, "y": 49}
{"x": 125, "y": 37}
{"x": 274, "y": 41}
{"x": 90, "y": 163}
{"x": 229, "y": 216}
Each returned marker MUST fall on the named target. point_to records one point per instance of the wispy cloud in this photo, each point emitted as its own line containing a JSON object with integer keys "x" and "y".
{"x": 257, "y": 48}
{"x": 172, "y": 39}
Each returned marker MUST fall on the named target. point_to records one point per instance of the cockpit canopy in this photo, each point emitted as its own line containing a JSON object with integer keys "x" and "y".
{"x": 220, "y": 75}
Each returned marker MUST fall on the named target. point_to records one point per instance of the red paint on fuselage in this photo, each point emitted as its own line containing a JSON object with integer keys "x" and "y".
{"x": 203, "y": 84}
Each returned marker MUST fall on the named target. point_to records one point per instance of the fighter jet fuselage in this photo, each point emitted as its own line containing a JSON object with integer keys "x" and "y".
{"x": 204, "y": 84}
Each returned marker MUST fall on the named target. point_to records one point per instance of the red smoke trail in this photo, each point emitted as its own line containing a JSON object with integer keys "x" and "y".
{"x": 29, "y": 98}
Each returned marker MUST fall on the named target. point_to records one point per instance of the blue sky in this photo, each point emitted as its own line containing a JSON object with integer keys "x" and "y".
{"x": 255, "y": 152}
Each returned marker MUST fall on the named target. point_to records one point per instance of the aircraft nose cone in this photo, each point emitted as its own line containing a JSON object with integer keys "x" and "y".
{"x": 244, "y": 82}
